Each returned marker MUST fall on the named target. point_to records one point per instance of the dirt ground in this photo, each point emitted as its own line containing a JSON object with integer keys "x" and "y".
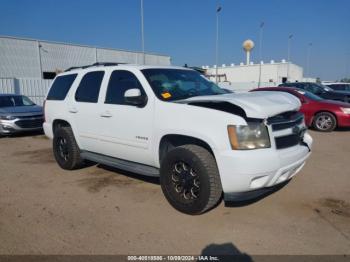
{"x": 98, "y": 210}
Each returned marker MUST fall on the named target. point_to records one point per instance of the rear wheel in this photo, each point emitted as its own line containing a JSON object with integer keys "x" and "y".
{"x": 66, "y": 150}
{"x": 190, "y": 179}
{"x": 325, "y": 122}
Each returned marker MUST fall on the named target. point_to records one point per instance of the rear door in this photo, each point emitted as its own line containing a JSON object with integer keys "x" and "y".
{"x": 84, "y": 110}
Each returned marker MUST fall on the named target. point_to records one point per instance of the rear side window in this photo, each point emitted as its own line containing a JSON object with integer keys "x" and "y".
{"x": 121, "y": 81}
{"x": 60, "y": 87}
{"x": 89, "y": 87}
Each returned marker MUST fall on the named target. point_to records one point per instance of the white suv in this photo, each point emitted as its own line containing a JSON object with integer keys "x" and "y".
{"x": 172, "y": 122}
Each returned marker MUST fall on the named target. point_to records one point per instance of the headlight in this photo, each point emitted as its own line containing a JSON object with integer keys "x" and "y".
{"x": 346, "y": 110}
{"x": 252, "y": 136}
{"x": 7, "y": 117}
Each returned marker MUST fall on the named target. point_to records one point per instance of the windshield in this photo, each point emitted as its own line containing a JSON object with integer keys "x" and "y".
{"x": 309, "y": 95}
{"x": 12, "y": 101}
{"x": 340, "y": 87}
{"x": 176, "y": 84}
{"x": 326, "y": 88}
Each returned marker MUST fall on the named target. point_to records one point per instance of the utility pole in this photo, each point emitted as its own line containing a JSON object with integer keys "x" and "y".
{"x": 40, "y": 63}
{"x": 308, "y": 59}
{"x": 260, "y": 51}
{"x": 142, "y": 36}
{"x": 218, "y": 9}
{"x": 288, "y": 54}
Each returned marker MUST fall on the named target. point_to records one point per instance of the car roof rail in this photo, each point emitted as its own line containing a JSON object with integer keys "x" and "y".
{"x": 94, "y": 64}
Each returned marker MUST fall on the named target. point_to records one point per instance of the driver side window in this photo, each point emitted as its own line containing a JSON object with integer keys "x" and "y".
{"x": 119, "y": 82}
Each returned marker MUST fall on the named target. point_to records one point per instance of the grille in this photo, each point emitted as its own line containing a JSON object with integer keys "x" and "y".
{"x": 287, "y": 141}
{"x": 292, "y": 123}
{"x": 30, "y": 116}
{"x": 289, "y": 120}
{"x": 36, "y": 123}
{"x": 286, "y": 120}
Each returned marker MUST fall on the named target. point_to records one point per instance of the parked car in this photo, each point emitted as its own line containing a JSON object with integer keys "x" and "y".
{"x": 323, "y": 115}
{"x": 19, "y": 114}
{"x": 338, "y": 86}
{"x": 172, "y": 123}
{"x": 321, "y": 91}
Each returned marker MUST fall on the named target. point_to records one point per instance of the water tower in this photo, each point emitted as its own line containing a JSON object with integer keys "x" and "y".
{"x": 248, "y": 45}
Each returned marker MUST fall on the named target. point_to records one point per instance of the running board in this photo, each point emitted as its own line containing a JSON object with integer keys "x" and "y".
{"x": 121, "y": 164}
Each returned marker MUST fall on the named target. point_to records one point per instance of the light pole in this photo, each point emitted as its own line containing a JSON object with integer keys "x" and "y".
{"x": 218, "y": 9}
{"x": 288, "y": 54}
{"x": 260, "y": 50}
{"x": 40, "y": 47}
{"x": 142, "y": 36}
{"x": 308, "y": 59}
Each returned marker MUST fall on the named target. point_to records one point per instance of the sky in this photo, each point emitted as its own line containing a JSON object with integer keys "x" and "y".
{"x": 186, "y": 29}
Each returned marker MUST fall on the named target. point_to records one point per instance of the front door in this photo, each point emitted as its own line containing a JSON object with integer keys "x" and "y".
{"x": 126, "y": 130}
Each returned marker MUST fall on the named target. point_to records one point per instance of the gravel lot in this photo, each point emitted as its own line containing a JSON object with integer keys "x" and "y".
{"x": 98, "y": 210}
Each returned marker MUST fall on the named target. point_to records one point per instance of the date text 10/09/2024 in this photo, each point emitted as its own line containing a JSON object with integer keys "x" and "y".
{"x": 173, "y": 258}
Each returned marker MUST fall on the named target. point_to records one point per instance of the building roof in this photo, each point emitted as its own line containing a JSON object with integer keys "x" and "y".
{"x": 79, "y": 45}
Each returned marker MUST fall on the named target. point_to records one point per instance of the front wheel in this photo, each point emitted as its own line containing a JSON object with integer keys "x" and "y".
{"x": 325, "y": 122}
{"x": 190, "y": 179}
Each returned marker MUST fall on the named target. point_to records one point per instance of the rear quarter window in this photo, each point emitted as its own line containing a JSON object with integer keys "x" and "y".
{"x": 60, "y": 87}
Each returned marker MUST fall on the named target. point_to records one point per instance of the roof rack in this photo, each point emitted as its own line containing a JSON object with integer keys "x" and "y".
{"x": 94, "y": 64}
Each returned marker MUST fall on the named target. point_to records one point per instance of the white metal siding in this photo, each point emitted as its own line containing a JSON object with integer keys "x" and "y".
{"x": 60, "y": 57}
{"x": 7, "y": 85}
{"x": 20, "y": 58}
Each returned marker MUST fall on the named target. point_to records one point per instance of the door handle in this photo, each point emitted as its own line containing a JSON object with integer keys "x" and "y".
{"x": 73, "y": 110}
{"x": 106, "y": 114}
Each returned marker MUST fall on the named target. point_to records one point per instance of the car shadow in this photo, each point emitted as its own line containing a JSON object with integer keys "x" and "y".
{"x": 23, "y": 134}
{"x": 257, "y": 198}
{"x": 148, "y": 179}
{"x": 225, "y": 252}
{"x": 155, "y": 180}
{"x": 342, "y": 129}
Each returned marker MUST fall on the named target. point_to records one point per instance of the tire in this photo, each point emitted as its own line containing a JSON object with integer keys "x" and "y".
{"x": 190, "y": 179}
{"x": 324, "y": 122}
{"x": 66, "y": 150}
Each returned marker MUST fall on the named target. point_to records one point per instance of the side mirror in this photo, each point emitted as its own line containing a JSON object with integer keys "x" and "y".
{"x": 134, "y": 97}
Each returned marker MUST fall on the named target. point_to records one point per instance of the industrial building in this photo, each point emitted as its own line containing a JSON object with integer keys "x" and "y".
{"x": 30, "y": 58}
{"x": 248, "y": 75}
{"x": 27, "y": 66}
{"x": 272, "y": 73}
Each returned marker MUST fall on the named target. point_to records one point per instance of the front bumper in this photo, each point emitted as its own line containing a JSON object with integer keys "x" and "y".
{"x": 244, "y": 171}
{"x": 343, "y": 119}
{"x": 20, "y": 125}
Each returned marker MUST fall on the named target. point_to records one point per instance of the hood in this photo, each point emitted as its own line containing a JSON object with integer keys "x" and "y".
{"x": 339, "y": 92}
{"x": 21, "y": 110}
{"x": 335, "y": 103}
{"x": 262, "y": 104}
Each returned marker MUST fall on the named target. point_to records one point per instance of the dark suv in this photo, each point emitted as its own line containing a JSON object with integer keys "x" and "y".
{"x": 322, "y": 91}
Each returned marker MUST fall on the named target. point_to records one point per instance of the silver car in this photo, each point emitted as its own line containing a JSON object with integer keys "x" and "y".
{"x": 18, "y": 113}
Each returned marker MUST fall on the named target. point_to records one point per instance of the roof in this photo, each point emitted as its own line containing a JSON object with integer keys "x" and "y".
{"x": 335, "y": 83}
{"x": 122, "y": 66}
{"x": 79, "y": 45}
{"x": 2, "y": 95}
